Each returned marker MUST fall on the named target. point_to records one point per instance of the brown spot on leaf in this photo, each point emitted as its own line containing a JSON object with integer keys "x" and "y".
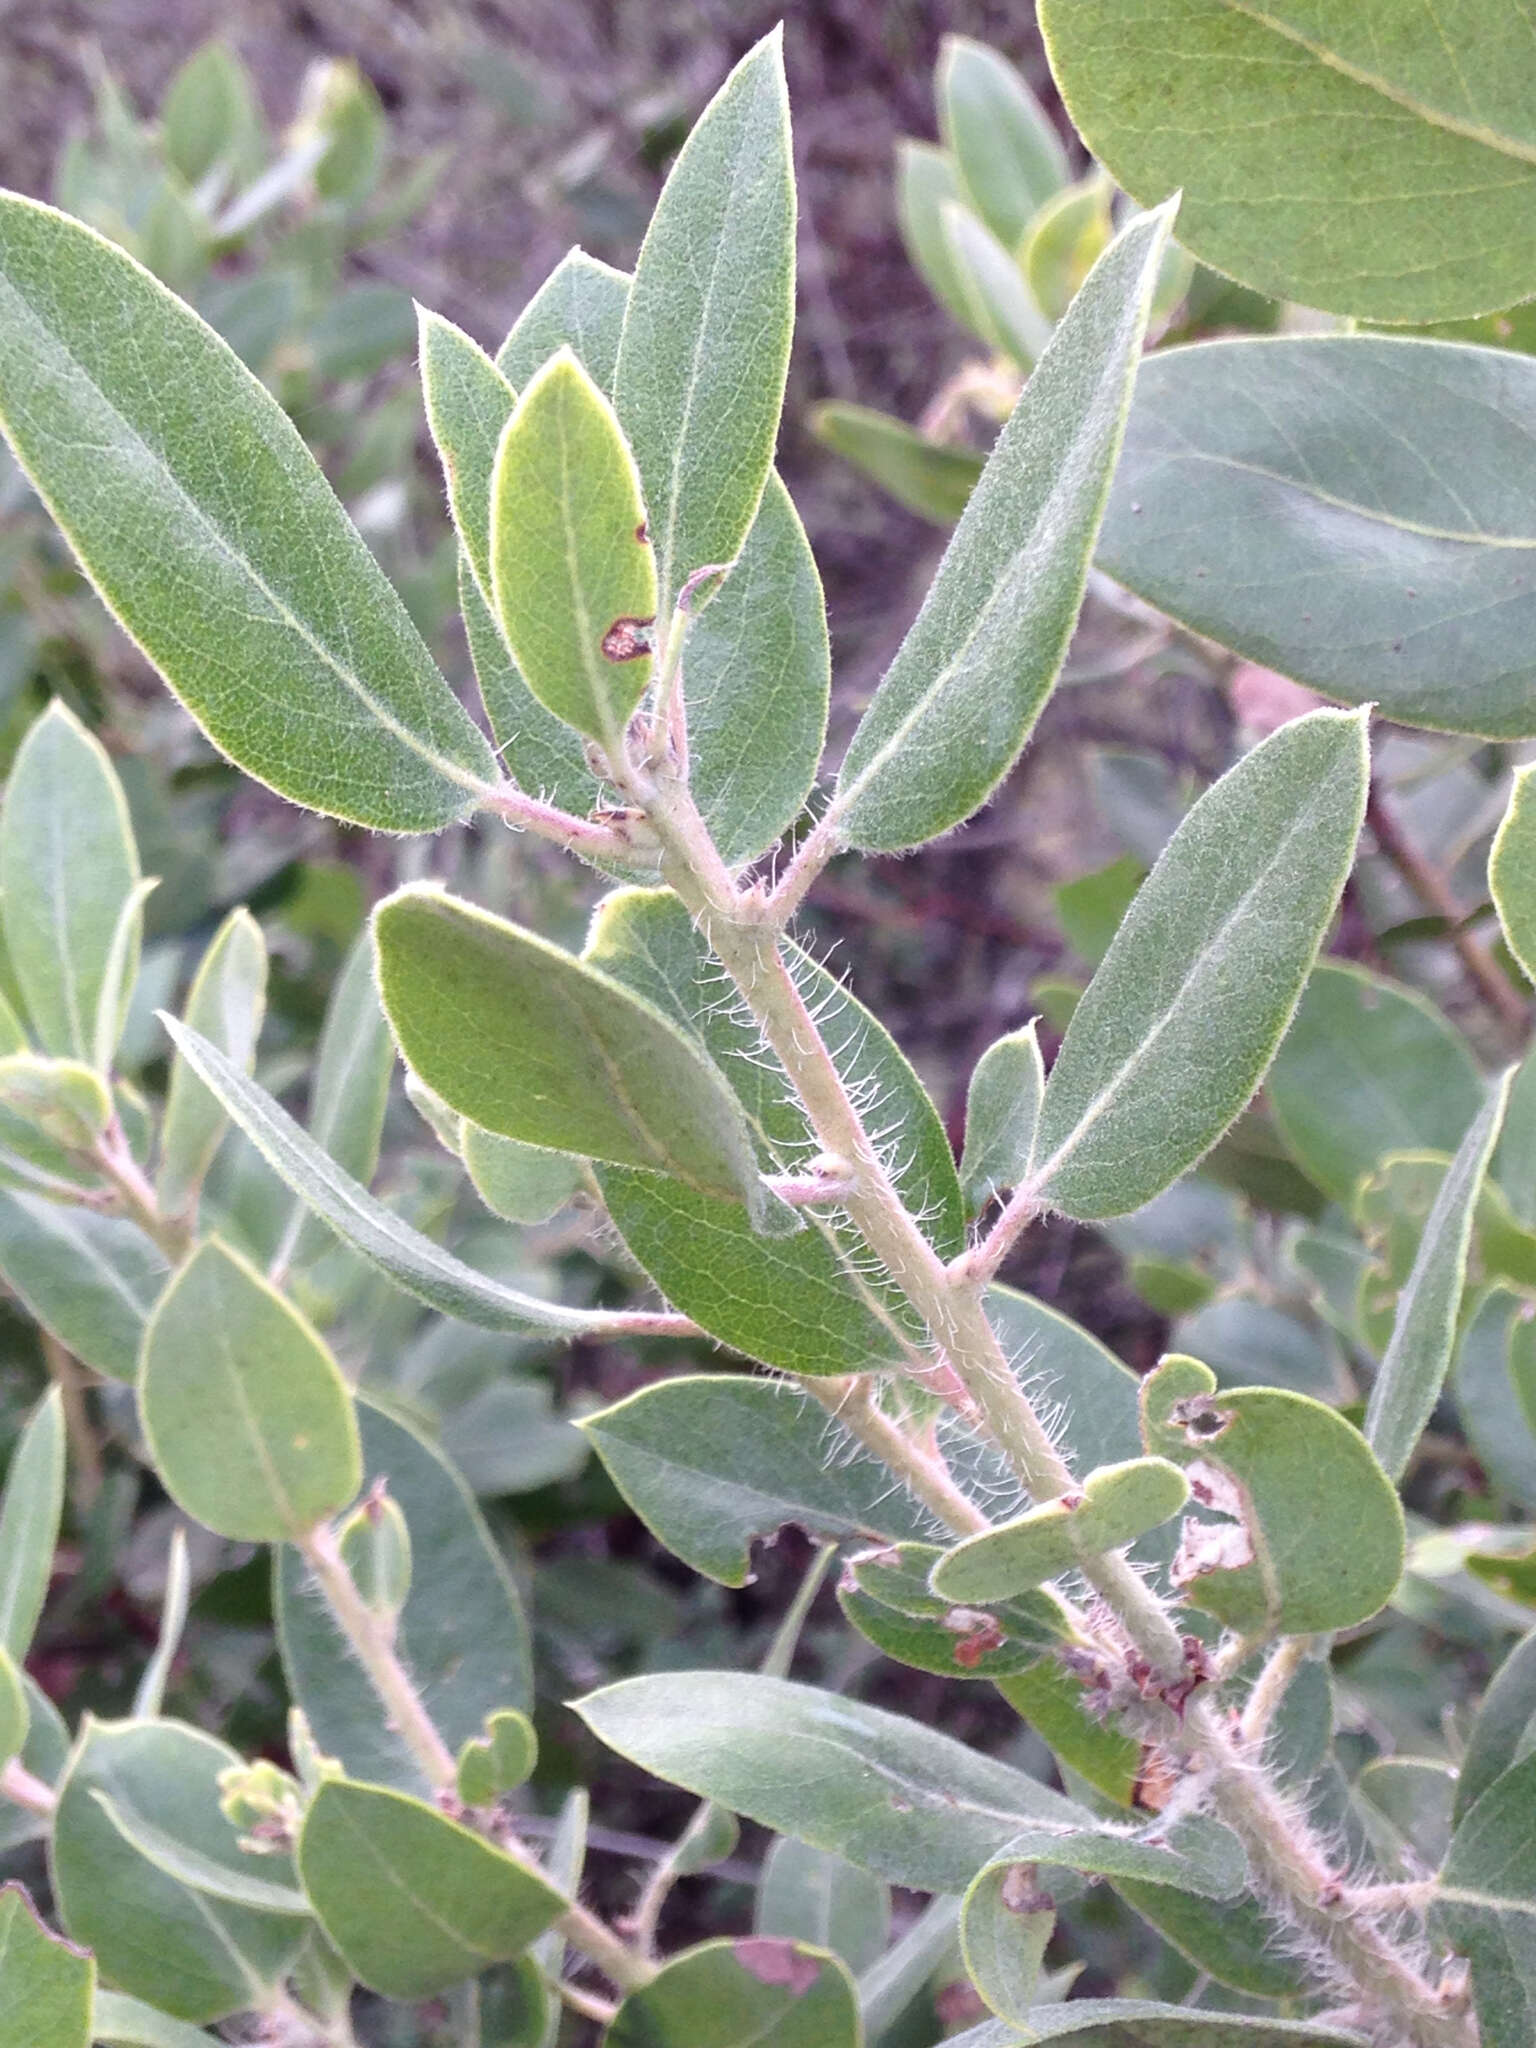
{"x": 627, "y": 639}
{"x": 777, "y": 1962}
{"x": 642, "y": 533}
{"x": 1022, "y": 1892}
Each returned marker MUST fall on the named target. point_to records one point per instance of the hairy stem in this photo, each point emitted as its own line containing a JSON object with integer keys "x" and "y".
{"x": 923, "y": 1472}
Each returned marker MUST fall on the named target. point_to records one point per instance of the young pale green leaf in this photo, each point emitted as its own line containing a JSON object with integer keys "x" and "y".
{"x": 247, "y": 1417}
{"x": 712, "y": 1461}
{"x": 468, "y": 403}
{"x": 1500, "y": 1732}
{"x": 1140, "y": 2023}
{"x": 885, "y": 1594}
{"x": 1310, "y": 1535}
{"x": 90, "y": 1280}
{"x": 1003, "y": 308}
{"x": 411, "y": 1260}
{"x": 468, "y": 1654}
{"x": 498, "y": 1761}
{"x": 759, "y": 1991}
{"x": 890, "y": 1795}
{"x": 1372, "y": 476}
{"x": 1066, "y": 239}
{"x": 226, "y": 1004}
{"x": 1002, "y": 1108}
{"x": 68, "y": 866}
{"x": 1485, "y": 1904}
{"x": 529, "y": 1042}
{"x": 412, "y": 1900}
{"x": 1177, "y": 1027}
{"x": 926, "y": 182}
{"x": 1256, "y": 112}
{"x": 573, "y": 573}
{"x": 580, "y": 306}
{"x": 928, "y": 477}
{"x": 704, "y": 353}
{"x": 354, "y": 1064}
{"x": 807, "y": 1895}
{"x": 1115, "y": 1505}
{"x": 30, "y": 1510}
{"x": 1000, "y": 136}
{"x": 196, "y": 1869}
{"x": 193, "y": 1956}
{"x": 969, "y": 681}
{"x": 209, "y": 529}
{"x": 49, "y": 1985}
{"x": 1005, "y": 1923}
{"x": 1368, "y": 1067}
{"x": 1418, "y": 1357}
{"x": 66, "y": 1102}
{"x": 1512, "y": 872}
{"x": 523, "y": 1183}
{"x": 15, "y": 1711}
{"x": 211, "y": 115}
{"x": 1092, "y": 907}
{"x": 541, "y": 753}
{"x": 122, "y": 2022}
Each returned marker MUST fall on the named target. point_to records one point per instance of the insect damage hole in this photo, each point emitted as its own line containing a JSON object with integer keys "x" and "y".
{"x": 628, "y": 639}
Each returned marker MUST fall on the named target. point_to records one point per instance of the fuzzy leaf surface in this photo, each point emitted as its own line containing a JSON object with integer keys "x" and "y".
{"x": 756, "y": 1992}
{"x": 1185, "y": 93}
{"x": 1485, "y": 1904}
{"x": 48, "y": 1984}
{"x": 1374, "y": 479}
{"x": 90, "y": 1280}
{"x": 468, "y": 403}
{"x": 807, "y": 1895}
{"x": 226, "y": 1003}
{"x": 1175, "y": 1030}
{"x": 962, "y": 696}
{"x": 579, "y": 306}
{"x": 210, "y": 531}
{"x": 1512, "y": 872}
{"x": 1002, "y": 1108}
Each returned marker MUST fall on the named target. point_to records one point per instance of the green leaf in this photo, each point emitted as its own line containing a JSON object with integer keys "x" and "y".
{"x": 198, "y": 1871}
{"x": 498, "y": 1761}
{"x": 1513, "y": 1167}
{"x": 1139, "y": 2023}
{"x": 245, "y": 1412}
{"x": 803, "y": 1303}
{"x": 121, "y": 2022}
{"x": 30, "y": 1511}
{"x": 523, "y": 1183}
{"x": 1257, "y": 114}
{"x": 806, "y": 1895}
{"x": 927, "y": 477}
{"x": 48, "y": 1985}
{"x": 65, "y": 1101}
{"x": 1413, "y": 1796}
{"x": 354, "y": 1064}
{"x": 413, "y": 1901}
{"x": 1051, "y": 1701}
{"x": 1368, "y": 1067}
{"x": 712, "y": 1461}
{"x": 1175, "y": 1030}
{"x": 1092, "y": 908}
{"x": 1485, "y": 1904}
{"x": 755, "y": 1992}
{"x": 1371, "y": 478}
{"x": 208, "y": 528}
{"x": 580, "y": 305}
{"x": 1512, "y": 872}
{"x": 15, "y": 1710}
{"x": 411, "y": 1260}
{"x": 699, "y": 383}
{"x": 1002, "y": 306}
{"x": 1418, "y": 1357}
{"x": 1005, "y": 1923}
{"x": 968, "y": 683}
{"x": 542, "y": 753}
{"x": 210, "y": 114}
{"x": 888, "y": 1794}
{"x": 1000, "y": 136}
{"x": 90, "y": 1280}
{"x": 885, "y": 1595}
{"x": 122, "y": 973}
{"x": 469, "y": 1654}
{"x": 573, "y": 574}
{"x": 1502, "y": 1728}
{"x": 1002, "y": 1108}
{"x": 1116, "y": 1504}
{"x": 468, "y": 403}
{"x": 68, "y": 865}
{"x": 1311, "y": 1538}
{"x": 1065, "y": 240}
{"x": 226, "y": 1004}
{"x": 193, "y": 1956}
{"x": 531, "y": 1043}
{"x": 926, "y": 182}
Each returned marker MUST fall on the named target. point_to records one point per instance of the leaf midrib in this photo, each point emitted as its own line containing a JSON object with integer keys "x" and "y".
{"x": 1400, "y": 96}
{"x": 354, "y": 685}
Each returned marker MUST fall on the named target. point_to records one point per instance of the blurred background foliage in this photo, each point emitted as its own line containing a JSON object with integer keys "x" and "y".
{"x": 452, "y": 154}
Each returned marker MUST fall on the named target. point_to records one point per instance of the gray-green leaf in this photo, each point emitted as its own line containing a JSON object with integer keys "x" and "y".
{"x": 209, "y": 529}
{"x": 48, "y": 1984}
{"x": 969, "y": 681}
{"x": 1008, "y": 154}
{"x": 468, "y": 403}
{"x": 30, "y": 1510}
{"x": 91, "y": 1280}
{"x": 1002, "y": 1107}
{"x": 226, "y": 1004}
{"x": 1177, "y": 1027}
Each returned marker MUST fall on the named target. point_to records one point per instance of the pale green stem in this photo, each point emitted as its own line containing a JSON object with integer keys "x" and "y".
{"x": 174, "y": 1235}
{"x": 21, "y": 1788}
{"x": 924, "y": 1474}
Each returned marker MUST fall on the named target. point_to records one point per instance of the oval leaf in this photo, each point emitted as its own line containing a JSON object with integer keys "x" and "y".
{"x": 1174, "y": 1032}
{"x": 247, "y": 1417}
{"x": 969, "y": 681}
{"x": 1009, "y": 155}
{"x": 1117, "y": 1504}
{"x": 208, "y": 528}
{"x": 756, "y": 1992}
{"x": 468, "y": 403}
{"x": 1002, "y": 1108}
